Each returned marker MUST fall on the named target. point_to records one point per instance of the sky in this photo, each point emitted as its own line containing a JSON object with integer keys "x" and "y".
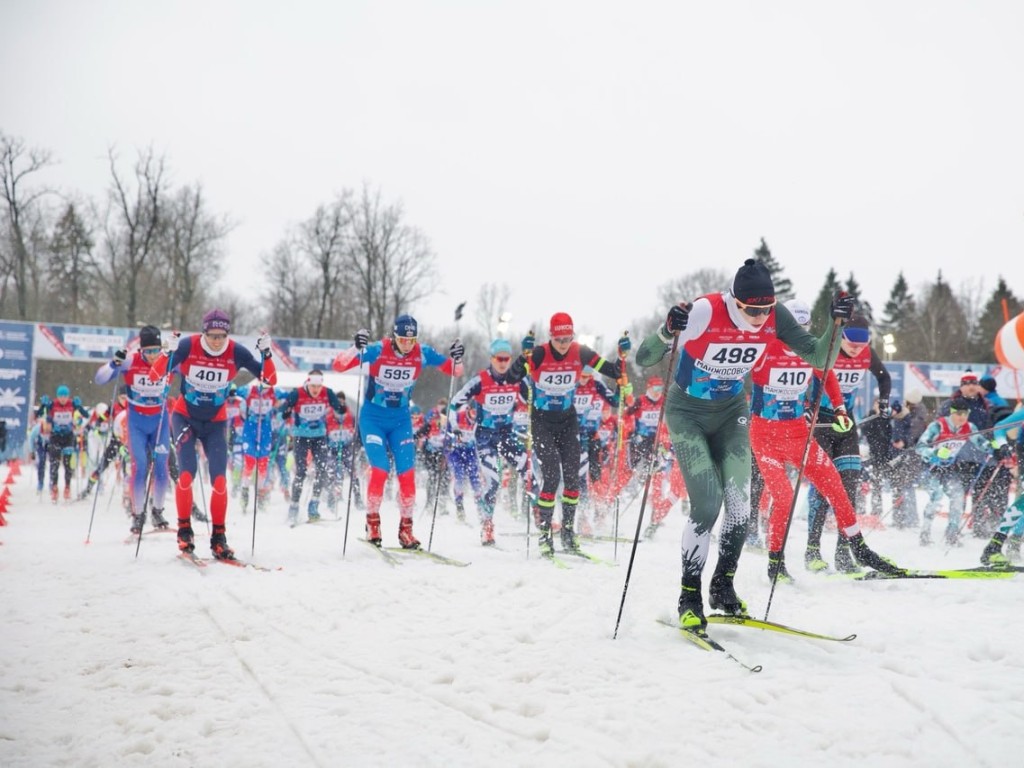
{"x": 582, "y": 153}
{"x": 112, "y": 661}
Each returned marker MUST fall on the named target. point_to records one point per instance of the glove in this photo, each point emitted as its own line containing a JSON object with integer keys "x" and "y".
{"x": 843, "y": 306}
{"x": 362, "y": 339}
{"x": 77, "y": 402}
{"x": 170, "y": 343}
{"x": 263, "y": 345}
{"x": 1002, "y": 451}
{"x": 119, "y": 357}
{"x": 626, "y": 391}
{"x": 943, "y": 453}
{"x": 45, "y": 400}
{"x": 884, "y": 410}
{"x": 677, "y": 320}
{"x": 456, "y": 351}
{"x": 842, "y": 422}
{"x": 527, "y": 343}
{"x": 624, "y": 345}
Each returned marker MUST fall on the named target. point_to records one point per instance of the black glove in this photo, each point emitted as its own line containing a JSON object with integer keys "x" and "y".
{"x": 456, "y": 351}
{"x": 1003, "y": 452}
{"x": 843, "y": 306}
{"x": 625, "y": 344}
{"x": 884, "y": 410}
{"x": 527, "y": 343}
{"x": 362, "y": 339}
{"x": 677, "y": 320}
{"x": 120, "y": 356}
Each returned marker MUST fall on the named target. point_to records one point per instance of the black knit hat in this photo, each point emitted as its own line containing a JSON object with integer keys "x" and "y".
{"x": 753, "y": 284}
{"x": 149, "y": 336}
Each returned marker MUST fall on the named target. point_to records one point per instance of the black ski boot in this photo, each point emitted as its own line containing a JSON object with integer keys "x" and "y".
{"x": 844, "y": 559}
{"x": 219, "y": 544}
{"x": 813, "y": 561}
{"x": 198, "y": 515}
{"x": 186, "y": 542}
{"x": 545, "y": 543}
{"x": 871, "y": 559}
{"x": 691, "y": 606}
{"x": 159, "y": 521}
{"x": 777, "y": 568}
{"x": 722, "y": 595}
{"x": 993, "y": 555}
{"x": 138, "y": 523}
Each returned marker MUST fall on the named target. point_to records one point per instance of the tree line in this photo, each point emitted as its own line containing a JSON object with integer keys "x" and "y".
{"x": 150, "y": 251}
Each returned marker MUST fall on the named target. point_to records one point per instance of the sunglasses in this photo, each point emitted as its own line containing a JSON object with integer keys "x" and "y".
{"x": 216, "y": 336}
{"x": 501, "y": 358}
{"x": 150, "y": 350}
{"x": 752, "y": 311}
{"x": 562, "y": 339}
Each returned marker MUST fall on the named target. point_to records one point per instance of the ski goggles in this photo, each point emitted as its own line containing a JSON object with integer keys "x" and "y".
{"x": 502, "y": 358}
{"x": 150, "y": 350}
{"x": 755, "y": 311}
{"x": 562, "y": 339}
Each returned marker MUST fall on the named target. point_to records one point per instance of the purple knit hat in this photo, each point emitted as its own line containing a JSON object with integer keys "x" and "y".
{"x": 216, "y": 319}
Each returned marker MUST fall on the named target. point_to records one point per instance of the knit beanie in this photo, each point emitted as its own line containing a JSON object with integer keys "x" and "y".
{"x": 988, "y": 384}
{"x": 753, "y": 284}
{"x": 149, "y": 336}
{"x": 501, "y": 347}
{"x": 216, "y": 319}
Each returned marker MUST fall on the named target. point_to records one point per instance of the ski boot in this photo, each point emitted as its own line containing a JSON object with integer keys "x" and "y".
{"x": 992, "y": 555}
{"x": 487, "y": 532}
{"x": 67, "y": 493}
{"x": 293, "y": 515}
{"x": 244, "y": 499}
{"x": 844, "y": 559}
{"x": 186, "y": 542}
{"x": 197, "y": 514}
{"x": 405, "y": 537}
{"x": 570, "y": 543}
{"x": 219, "y": 544}
{"x": 691, "y": 606}
{"x": 460, "y": 510}
{"x": 545, "y": 544}
{"x": 813, "y": 560}
{"x": 722, "y": 595}
{"x": 651, "y": 529}
{"x": 138, "y": 523}
{"x": 159, "y": 521}
{"x": 777, "y": 569}
{"x": 54, "y": 493}
{"x": 871, "y": 559}
{"x": 373, "y": 528}
{"x": 925, "y": 538}
{"x": 87, "y": 490}
{"x": 313, "y": 511}
{"x": 952, "y": 538}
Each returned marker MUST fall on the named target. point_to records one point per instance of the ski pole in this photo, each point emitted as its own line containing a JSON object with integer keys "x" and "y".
{"x": 352, "y": 475}
{"x": 440, "y": 475}
{"x": 647, "y": 486}
{"x": 110, "y": 433}
{"x": 150, "y": 472}
{"x": 620, "y": 429}
{"x": 530, "y": 480}
{"x": 836, "y": 326}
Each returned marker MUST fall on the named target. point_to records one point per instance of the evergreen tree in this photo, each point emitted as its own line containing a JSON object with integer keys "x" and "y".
{"x": 940, "y": 327}
{"x": 70, "y": 268}
{"x": 821, "y": 310}
{"x": 783, "y": 285}
{"x": 982, "y": 341}
{"x": 863, "y": 307}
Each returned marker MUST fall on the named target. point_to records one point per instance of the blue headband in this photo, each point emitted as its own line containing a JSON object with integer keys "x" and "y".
{"x": 857, "y": 335}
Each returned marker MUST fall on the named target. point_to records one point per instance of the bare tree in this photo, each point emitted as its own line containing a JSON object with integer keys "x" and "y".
{"x": 16, "y": 163}
{"x": 193, "y": 239}
{"x": 322, "y": 239}
{"x": 133, "y": 230}
{"x": 290, "y": 292}
{"x": 491, "y": 304}
{"x": 391, "y": 262}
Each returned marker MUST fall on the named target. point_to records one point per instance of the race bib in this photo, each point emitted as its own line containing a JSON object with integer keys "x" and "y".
{"x": 729, "y": 362}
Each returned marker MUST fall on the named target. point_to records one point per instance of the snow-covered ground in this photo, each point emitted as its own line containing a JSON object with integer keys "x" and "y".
{"x": 109, "y": 660}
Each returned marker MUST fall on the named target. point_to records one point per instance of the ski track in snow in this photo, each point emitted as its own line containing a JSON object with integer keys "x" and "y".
{"x": 110, "y": 661}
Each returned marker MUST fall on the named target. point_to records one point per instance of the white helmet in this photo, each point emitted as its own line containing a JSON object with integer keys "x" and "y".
{"x": 800, "y": 311}
{"x": 101, "y": 409}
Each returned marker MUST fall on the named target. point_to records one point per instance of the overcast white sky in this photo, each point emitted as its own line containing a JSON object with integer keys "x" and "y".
{"x": 584, "y": 153}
